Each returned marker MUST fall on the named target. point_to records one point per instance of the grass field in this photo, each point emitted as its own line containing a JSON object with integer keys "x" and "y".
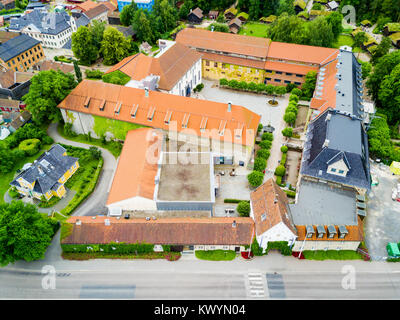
{"x": 216, "y": 255}
{"x": 254, "y": 29}
{"x": 344, "y": 40}
{"x": 332, "y": 255}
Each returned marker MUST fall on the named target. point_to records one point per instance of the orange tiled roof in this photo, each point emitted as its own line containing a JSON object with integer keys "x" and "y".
{"x": 111, "y": 7}
{"x": 194, "y": 112}
{"x": 289, "y": 67}
{"x": 224, "y": 42}
{"x": 270, "y": 200}
{"x": 87, "y": 5}
{"x": 299, "y": 52}
{"x": 171, "y": 66}
{"x": 96, "y": 11}
{"x": 135, "y": 175}
{"x": 355, "y": 233}
{"x": 178, "y": 231}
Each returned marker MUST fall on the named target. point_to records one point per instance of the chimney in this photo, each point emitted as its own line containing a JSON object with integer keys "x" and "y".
{"x": 326, "y": 143}
{"x": 78, "y": 222}
{"x": 234, "y": 224}
{"x": 146, "y": 92}
{"x": 229, "y": 106}
{"x": 107, "y": 222}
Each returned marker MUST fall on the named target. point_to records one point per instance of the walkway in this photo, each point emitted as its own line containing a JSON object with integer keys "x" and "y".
{"x": 95, "y": 203}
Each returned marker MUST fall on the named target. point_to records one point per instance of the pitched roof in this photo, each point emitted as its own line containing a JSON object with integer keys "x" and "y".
{"x": 9, "y": 103}
{"x": 224, "y": 42}
{"x": 52, "y": 65}
{"x": 47, "y": 169}
{"x": 270, "y": 207}
{"x": 235, "y": 22}
{"x": 197, "y": 12}
{"x": 177, "y": 231}
{"x": 87, "y": 5}
{"x": 326, "y": 138}
{"x": 96, "y": 11}
{"x": 16, "y": 46}
{"x": 171, "y": 66}
{"x": 135, "y": 175}
{"x": 111, "y": 7}
{"x": 20, "y": 120}
{"x": 355, "y": 233}
{"x": 193, "y": 111}
{"x": 7, "y": 35}
{"x": 300, "y": 52}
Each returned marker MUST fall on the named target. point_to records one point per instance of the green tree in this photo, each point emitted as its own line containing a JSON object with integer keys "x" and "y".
{"x": 243, "y": 208}
{"x": 114, "y": 46}
{"x": 280, "y": 90}
{"x": 381, "y": 50}
{"x": 185, "y": 9}
{"x": 254, "y": 9}
{"x": 166, "y": 15}
{"x": 382, "y": 68}
{"x": 260, "y": 164}
{"x": 290, "y": 118}
{"x": 280, "y": 171}
{"x": 143, "y": 27}
{"x": 320, "y": 33}
{"x": 97, "y": 30}
{"x": 263, "y": 153}
{"x": 309, "y": 84}
{"x": 48, "y": 88}
{"x": 78, "y": 73}
{"x": 24, "y": 233}
{"x": 83, "y": 45}
{"x": 287, "y": 132}
{"x": 270, "y": 89}
{"x": 389, "y": 95}
{"x": 366, "y": 69}
{"x": 334, "y": 19}
{"x": 288, "y": 29}
{"x": 127, "y": 14}
{"x": 255, "y": 178}
{"x": 359, "y": 39}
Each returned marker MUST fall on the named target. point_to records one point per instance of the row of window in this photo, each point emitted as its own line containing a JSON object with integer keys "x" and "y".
{"x": 25, "y": 55}
{"x": 286, "y": 73}
{"x": 280, "y": 80}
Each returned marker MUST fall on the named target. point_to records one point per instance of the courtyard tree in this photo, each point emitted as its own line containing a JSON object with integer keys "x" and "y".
{"x": 260, "y": 164}
{"x": 280, "y": 90}
{"x": 25, "y": 234}
{"x": 48, "y": 88}
{"x": 83, "y": 46}
{"x": 290, "y": 118}
{"x": 114, "y": 46}
{"x": 243, "y": 208}
{"x": 287, "y": 132}
{"x": 255, "y": 178}
{"x": 280, "y": 171}
{"x": 263, "y": 153}
{"x": 127, "y": 14}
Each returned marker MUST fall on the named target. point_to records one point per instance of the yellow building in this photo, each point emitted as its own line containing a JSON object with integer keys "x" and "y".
{"x": 20, "y": 53}
{"x": 47, "y": 175}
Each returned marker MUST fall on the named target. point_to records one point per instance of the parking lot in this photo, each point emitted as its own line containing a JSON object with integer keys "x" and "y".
{"x": 382, "y": 224}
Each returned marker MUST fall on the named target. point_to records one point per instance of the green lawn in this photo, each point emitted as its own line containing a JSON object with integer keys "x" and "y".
{"x": 113, "y": 146}
{"x": 171, "y": 256}
{"x": 254, "y": 29}
{"x": 332, "y": 255}
{"x": 344, "y": 40}
{"x": 6, "y": 178}
{"x": 215, "y": 255}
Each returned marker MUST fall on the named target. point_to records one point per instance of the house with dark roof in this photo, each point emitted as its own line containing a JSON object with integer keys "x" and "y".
{"x": 22, "y": 119}
{"x": 46, "y": 176}
{"x": 98, "y": 13}
{"x": 235, "y": 25}
{"x": 14, "y": 84}
{"x": 195, "y": 16}
{"x": 336, "y": 151}
{"x": 52, "y": 29}
{"x": 21, "y": 53}
{"x": 7, "y": 4}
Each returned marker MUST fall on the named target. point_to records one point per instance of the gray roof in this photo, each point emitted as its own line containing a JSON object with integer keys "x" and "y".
{"x": 82, "y": 21}
{"x": 334, "y": 136}
{"x": 47, "y": 169}
{"x": 320, "y": 204}
{"x": 47, "y": 22}
{"x": 16, "y": 46}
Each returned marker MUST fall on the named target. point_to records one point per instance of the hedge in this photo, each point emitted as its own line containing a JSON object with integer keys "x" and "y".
{"x": 267, "y": 136}
{"x": 282, "y": 246}
{"x": 263, "y": 153}
{"x": 234, "y": 200}
{"x": 243, "y": 208}
{"x": 80, "y": 197}
{"x": 280, "y": 170}
{"x": 113, "y": 247}
{"x": 289, "y": 193}
{"x": 332, "y": 255}
{"x": 94, "y": 74}
{"x": 260, "y": 164}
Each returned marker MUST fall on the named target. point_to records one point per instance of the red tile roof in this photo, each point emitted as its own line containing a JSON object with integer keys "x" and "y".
{"x": 177, "y": 231}
{"x": 135, "y": 174}
{"x": 194, "y": 112}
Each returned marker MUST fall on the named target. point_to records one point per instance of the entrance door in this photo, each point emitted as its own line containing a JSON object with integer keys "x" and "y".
{"x": 188, "y": 91}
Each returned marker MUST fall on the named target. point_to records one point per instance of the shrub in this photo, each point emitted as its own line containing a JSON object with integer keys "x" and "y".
{"x": 215, "y": 255}
{"x": 116, "y": 77}
{"x": 255, "y": 248}
{"x": 260, "y": 127}
{"x": 279, "y": 180}
{"x": 234, "y": 84}
{"x": 263, "y": 153}
{"x": 13, "y": 193}
{"x": 290, "y": 194}
{"x": 260, "y": 164}
{"x": 297, "y": 92}
{"x": 290, "y": 87}
{"x": 30, "y": 146}
{"x": 219, "y": 27}
{"x": 267, "y": 136}
{"x": 261, "y": 87}
{"x": 290, "y": 117}
{"x": 284, "y": 149}
{"x": 287, "y": 132}
{"x": 293, "y": 97}
{"x": 234, "y": 200}
{"x": 94, "y": 74}
{"x": 282, "y": 246}
{"x": 243, "y": 208}
{"x": 243, "y": 85}
{"x": 252, "y": 86}
{"x": 223, "y": 82}
{"x": 283, "y": 159}
{"x": 266, "y": 144}
{"x": 280, "y": 171}
{"x": 255, "y": 178}
{"x": 199, "y": 87}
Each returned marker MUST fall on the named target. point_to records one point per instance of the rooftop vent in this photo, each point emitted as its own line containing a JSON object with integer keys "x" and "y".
{"x": 331, "y": 231}
{"x": 78, "y": 222}
{"x": 343, "y": 231}
{"x": 107, "y": 222}
{"x": 229, "y": 106}
{"x": 321, "y": 231}
{"x": 146, "y": 92}
{"x": 234, "y": 224}
{"x": 309, "y": 231}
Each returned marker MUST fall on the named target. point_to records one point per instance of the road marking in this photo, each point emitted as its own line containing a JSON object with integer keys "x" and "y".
{"x": 256, "y": 288}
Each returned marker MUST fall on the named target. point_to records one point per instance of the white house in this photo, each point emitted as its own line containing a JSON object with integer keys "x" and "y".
{"x": 52, "y": 29}
{"x": 271, "y": 215}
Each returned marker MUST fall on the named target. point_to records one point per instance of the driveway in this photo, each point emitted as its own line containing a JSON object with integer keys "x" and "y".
{"x": 95, "y": 203}
{"x": 257, "y": 103}
{"x": 382, "y": 223}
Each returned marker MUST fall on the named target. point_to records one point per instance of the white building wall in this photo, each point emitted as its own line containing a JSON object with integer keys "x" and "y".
{"x": 136, "y": 203}
{"x": 279, "y": 232}
{"x": 326, "y": 245}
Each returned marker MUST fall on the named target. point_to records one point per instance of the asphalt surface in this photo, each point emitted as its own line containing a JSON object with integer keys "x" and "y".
{"x": 95, "y": 203}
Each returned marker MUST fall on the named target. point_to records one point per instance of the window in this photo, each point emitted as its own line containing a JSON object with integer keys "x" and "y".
{"x": 299, "y": 75}
{"x": 277, "y": 80}
{"x": 269, "y": 70}
{"x": 333, "y": 170}
{"x": 263, "y": 217}
{"x": 269, "y": 79}
{"x": 341, "y": 171}
{"x": 207, "y": 63}
{"x": 286, "y": 81}
{"x": 216, "y": 64}
{"x": 19, "y": 59}
{"x": 278, "y": 72}
{"x": 289, "y": 74}
{"x": 9, "y": 64}
{"x": 13, "y": 61}
{"x": 297, "y": 83}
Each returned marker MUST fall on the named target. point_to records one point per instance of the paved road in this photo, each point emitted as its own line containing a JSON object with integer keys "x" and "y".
{"x": 270, "y": 277}
{"x": 95, "y": 204}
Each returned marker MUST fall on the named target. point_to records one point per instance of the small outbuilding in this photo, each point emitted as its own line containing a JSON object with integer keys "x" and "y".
{"x": 395, "y": 168}
{"x": 195, "y": 16}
